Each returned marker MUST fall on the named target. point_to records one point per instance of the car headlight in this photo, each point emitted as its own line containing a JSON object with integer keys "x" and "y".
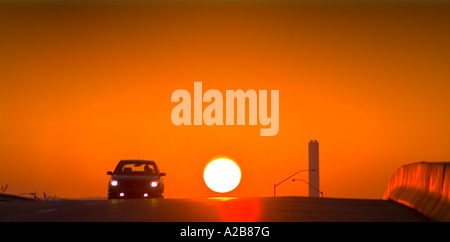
{"x": 154, "y": 183}
{"x": 114, "y": 183}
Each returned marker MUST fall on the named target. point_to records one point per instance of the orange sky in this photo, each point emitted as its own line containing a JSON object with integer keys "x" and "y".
{"x": 83, "y": 86}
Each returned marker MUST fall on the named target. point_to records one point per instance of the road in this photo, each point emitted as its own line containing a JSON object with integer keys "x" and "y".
{"x": 263, "y": 209}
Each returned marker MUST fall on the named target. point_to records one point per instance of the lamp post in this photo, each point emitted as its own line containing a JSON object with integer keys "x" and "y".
{"x": 275, "y": 185}
{"x": 321, "y": 192}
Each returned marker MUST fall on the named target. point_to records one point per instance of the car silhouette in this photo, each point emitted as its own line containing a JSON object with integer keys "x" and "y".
{"x": 136, "y": 179}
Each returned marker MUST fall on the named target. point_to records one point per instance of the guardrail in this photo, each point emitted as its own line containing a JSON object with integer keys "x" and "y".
{"x": 423, "y": 186}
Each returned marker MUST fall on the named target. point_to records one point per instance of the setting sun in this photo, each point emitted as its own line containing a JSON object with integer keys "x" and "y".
{"x": 222, "y": 175}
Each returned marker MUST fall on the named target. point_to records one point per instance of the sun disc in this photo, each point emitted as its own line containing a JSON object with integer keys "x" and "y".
{"x": 222, "y": 175}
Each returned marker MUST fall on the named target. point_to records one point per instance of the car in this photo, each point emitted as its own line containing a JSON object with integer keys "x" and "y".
{"x": 136, "y": 179}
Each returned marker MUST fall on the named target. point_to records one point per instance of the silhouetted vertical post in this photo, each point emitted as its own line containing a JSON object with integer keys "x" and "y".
{"x": 314, "y": 168}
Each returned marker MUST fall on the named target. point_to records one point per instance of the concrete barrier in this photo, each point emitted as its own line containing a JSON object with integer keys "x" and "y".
{"x": 423, "y": 186}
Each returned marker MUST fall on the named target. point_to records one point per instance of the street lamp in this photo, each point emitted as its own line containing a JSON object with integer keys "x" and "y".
{"x": 321, "y": 193}
{"x": 275, "y": 185}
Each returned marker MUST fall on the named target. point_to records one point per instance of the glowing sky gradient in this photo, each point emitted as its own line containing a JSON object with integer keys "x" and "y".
{"x": 84, "y": 85}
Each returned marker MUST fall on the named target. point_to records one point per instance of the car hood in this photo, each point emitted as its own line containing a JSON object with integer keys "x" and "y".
{"x": 134, "y": 177}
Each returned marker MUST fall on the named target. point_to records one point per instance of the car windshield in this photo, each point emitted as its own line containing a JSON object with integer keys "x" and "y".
{"x": 135, "y": 168}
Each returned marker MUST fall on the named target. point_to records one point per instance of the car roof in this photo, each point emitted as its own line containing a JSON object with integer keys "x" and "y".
{"x": 139, "y": 161}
